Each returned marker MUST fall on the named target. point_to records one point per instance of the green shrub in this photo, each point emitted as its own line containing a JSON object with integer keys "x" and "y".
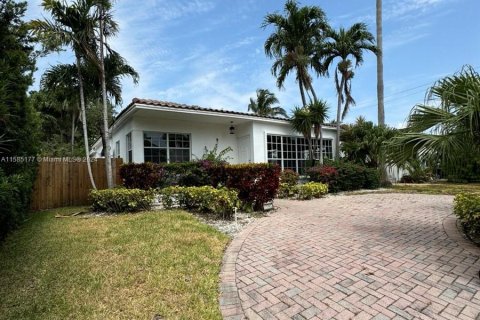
{"x": 345, "y": 176}
{"x": 311, "y": 190}
{"x": 289, "y": 177}
{"x": 15, "y": 192}
{"x": 121, "y": 200}
{"x": 206, "y": 199}
{"x": 467, "y": 208}
{"x": 286, "y": 191}
{"x": 305, "y": 191}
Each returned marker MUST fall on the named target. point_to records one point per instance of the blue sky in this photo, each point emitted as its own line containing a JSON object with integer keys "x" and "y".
{"x": 210, "y": 52}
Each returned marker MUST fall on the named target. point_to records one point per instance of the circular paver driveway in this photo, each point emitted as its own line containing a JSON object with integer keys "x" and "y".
{"x": 372, "y": 256}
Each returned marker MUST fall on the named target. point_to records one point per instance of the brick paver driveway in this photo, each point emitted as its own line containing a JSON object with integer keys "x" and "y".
{"x": 373, "y": 256}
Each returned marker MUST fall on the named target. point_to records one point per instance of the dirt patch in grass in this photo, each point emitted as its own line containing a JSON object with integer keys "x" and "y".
{"x": 131, "y": 266}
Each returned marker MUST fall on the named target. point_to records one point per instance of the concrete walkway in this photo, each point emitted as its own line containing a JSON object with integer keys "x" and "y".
{"x": 372, "y": 256}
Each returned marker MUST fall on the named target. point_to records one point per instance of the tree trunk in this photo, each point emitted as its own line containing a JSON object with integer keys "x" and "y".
{"x": 302, "y": 93}
{"x": 380, "y": 87}
{"x": 339, "y": 115}
{"x": 313, "y": 94}
{"x": 321, "y": 144}
{"x": 108, "y": 158}
{"x": 84, "y": 122}
{"x": 72, "y": 138}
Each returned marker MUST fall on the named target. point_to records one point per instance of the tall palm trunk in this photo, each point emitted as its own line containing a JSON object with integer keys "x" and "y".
{"x": 320, "y": 141}
{"x": 72, "y": 137}
{"x": 380, "y": 86}
{"x": 302, "y": 93}
{"x": 84, "y": 122}
{"x": 315, "y": 99}
{"x": 106, "y": 132}
{"x": 339, "y": 115}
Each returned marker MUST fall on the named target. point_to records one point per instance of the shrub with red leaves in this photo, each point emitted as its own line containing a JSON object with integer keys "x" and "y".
{"x": 256, "y": 183}
{"x": 142, "y": 175}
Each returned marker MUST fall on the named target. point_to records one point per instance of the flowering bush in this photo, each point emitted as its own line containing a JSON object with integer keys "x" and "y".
{"x": 311, "y": 190}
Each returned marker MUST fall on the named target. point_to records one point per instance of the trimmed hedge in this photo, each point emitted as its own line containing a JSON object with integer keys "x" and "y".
{"x": 142, "y": 175}
{"x": 307, "y": 191}
{"x": 121, "y": 200}
{"x": 221, "y": 202}
{"x": 256, "y": 183}
{"x": 15, "y": 193}
{"x": 467, "y": 208}
{"x": 345, "y": 176}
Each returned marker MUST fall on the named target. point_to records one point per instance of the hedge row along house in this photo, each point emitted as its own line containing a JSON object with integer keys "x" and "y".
{"x": 159, "y": 131}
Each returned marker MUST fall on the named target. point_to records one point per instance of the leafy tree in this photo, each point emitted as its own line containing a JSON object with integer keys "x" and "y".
{"x": 292, "y": 44}
{"x": 345, "y": 44}
{"x": 17, "y": 64}
{"x": 364, "y": 142}
{"x": 446, "y": 127}
{"x": 263, "y": 105}
{"x": 18, "y": 119}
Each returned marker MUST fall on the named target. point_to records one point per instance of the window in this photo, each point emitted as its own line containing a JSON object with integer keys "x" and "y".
{"x": 129, "y": 148}
{"x": 116, "y": 152}
{"x": 166, "y": 147}
{"x": 292, "y": 152}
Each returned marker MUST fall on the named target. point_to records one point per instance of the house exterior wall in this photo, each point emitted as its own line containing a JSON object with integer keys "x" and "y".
{"x": 201, "y": 135}
{"x": 249, "y": 143}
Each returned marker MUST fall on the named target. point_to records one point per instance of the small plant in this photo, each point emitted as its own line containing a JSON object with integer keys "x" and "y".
{"x": 121, "y": 200}
{"x": 221, "y": 202}
{"x": 216, "y": 156}
{"x": 467, "y": 208}
{"x": 312, "y": 190}
{"x": 286, "y": 191}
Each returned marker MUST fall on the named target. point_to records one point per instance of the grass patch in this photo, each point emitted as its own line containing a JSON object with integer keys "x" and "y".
{"x": 114, "y": 267}
{"x": 436, "y": 188}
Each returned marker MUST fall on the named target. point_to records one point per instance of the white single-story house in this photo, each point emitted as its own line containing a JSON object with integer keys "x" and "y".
{"x": 159, "y": 131}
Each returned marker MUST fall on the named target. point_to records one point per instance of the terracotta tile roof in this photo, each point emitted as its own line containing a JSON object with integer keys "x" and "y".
{"x": 192, "y": 107}
{"x": 168, "y": 104}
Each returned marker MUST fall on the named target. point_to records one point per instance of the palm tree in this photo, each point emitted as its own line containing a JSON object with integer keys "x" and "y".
{"x": 292, "y": 44}
{"x": 380, "y": 87}
{"x": 60, "y": 82}
{"x": 302, "y": 122}
{"x": 72, "y": 26}
{"x": 263, "y": 105}
{"x": 345, "y": 44}
{"x": 319, "y": 113}
{"x": 446, "y": 127}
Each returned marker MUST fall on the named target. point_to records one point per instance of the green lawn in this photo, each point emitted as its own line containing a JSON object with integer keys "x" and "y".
{"x": 114, "y": 267}
{"x": 436, "y": 188}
